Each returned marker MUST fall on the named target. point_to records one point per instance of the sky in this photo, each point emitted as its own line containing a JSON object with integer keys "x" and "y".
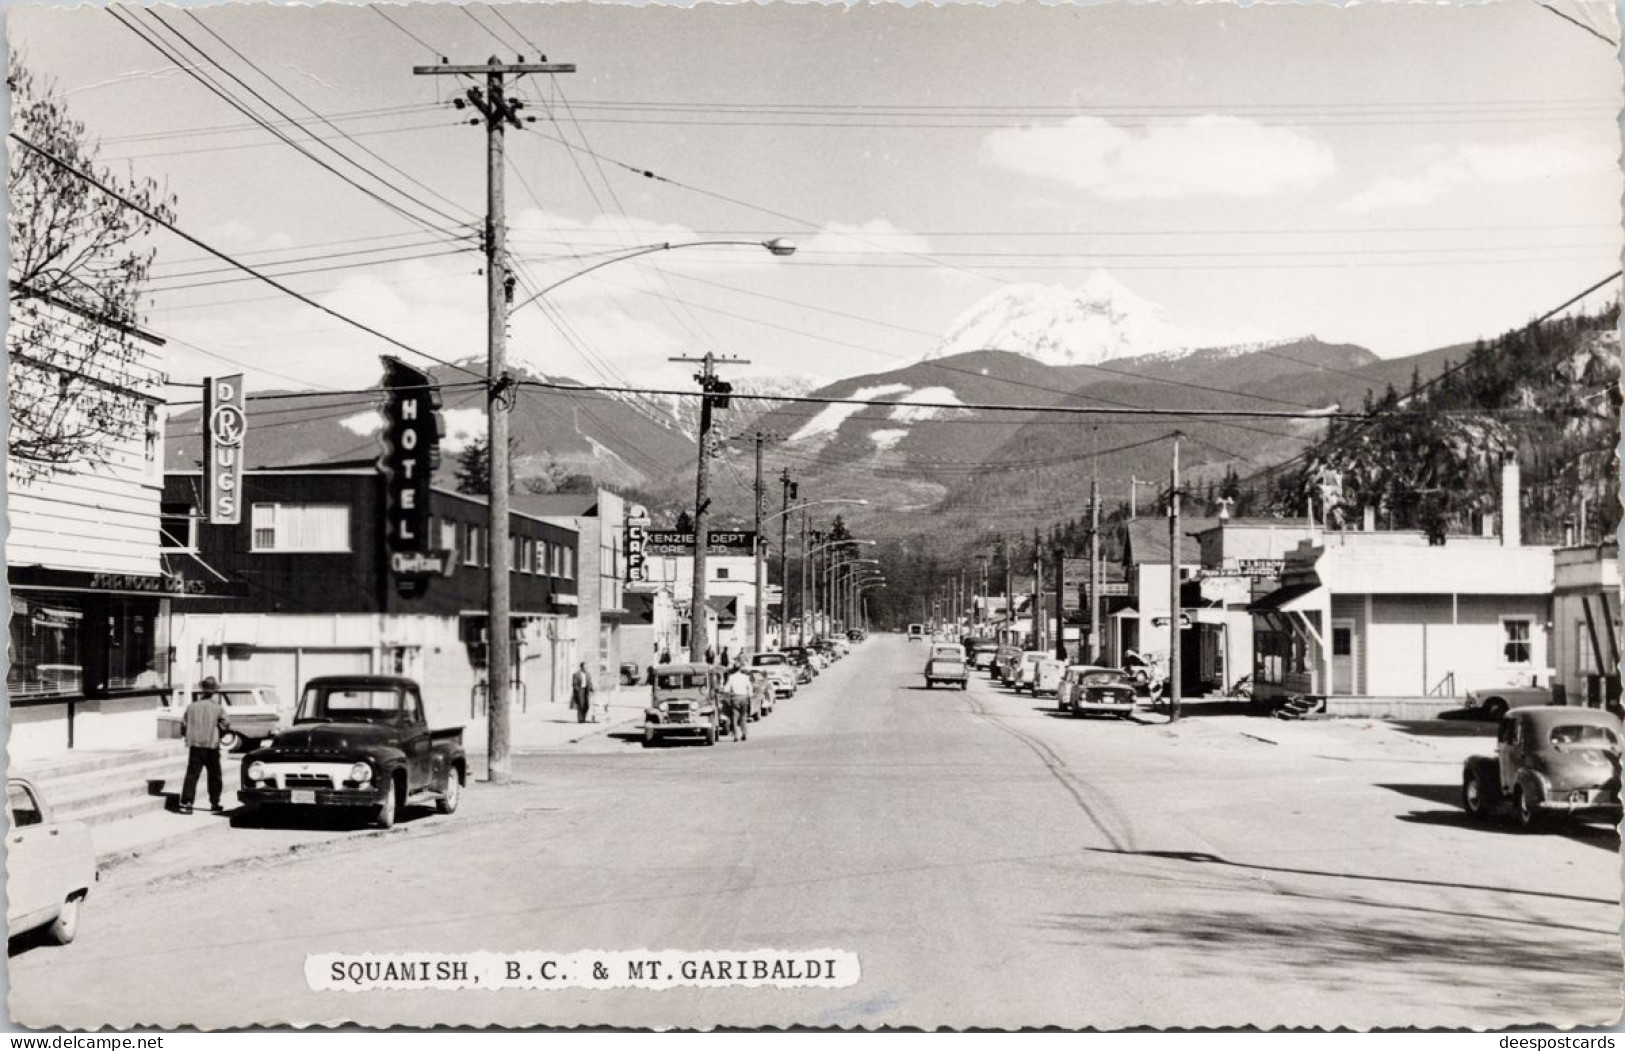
{"x": 1403, "y": 177}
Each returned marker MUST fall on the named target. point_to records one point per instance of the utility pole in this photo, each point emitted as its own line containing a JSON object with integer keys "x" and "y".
{"x": 788, "y": 488}
{"x": 1094, "y": 570}
{"x": 1060, "y": 604}
{"x": 1173, "y": 586}
{"x": 759, "y": 561}
{"x": 498, "y": 111}
{"x": 1039, "y": 615}
{"x": 1134, "y": 495}
{"x": 714, "y": 394}
{"x": 801, "y": 623}
{"x": 1009, "y": 587}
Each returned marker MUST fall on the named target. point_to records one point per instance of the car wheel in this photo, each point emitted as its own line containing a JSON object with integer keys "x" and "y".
{"x": 711, "y": 736}
{"x": 447, "y": 803}
{"x": 1472, "y": 796}
{"x": 1494, "y": 708}
{"x": 384, "y": 816}
{"x": 66, "y": 925}
{"x": 1528, "y": 810}
{"x": 230, "y": 741}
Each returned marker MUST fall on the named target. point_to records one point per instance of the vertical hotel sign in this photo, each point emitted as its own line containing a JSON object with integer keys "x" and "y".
{"x": 224, "y": 425}
{"x": 411, "y": 439}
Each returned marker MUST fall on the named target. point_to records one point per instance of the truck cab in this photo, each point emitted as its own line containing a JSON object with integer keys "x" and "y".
{"x": 358, "y": 741}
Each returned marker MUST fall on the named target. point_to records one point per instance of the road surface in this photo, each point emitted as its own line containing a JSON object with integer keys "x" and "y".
{"x": 990, "y": 863}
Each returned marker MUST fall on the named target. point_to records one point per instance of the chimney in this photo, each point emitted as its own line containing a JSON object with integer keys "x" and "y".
{"x": 1368, "y": 518}
{"x": 1511, "y": 524}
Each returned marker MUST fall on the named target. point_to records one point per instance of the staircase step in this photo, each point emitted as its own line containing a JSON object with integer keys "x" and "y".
{"x": 117, "y": 810}
{"x": 87, "y": 762}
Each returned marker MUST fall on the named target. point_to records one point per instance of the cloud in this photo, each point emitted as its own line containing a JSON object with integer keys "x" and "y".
{"x": 1441, "y": 172}
{"x": 1199, "y": 156}
{"x": 863, "y": 237}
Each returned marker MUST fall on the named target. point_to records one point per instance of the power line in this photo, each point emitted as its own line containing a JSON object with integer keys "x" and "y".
{"x": 1573, "y": 21}
{"x": 375, "y": 9}
{"x": 152, "y": 216}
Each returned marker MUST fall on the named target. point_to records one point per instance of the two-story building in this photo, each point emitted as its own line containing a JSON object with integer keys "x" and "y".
{"x": 89, "y": 589}
{"x": 319, "y": 597}
{"x": 599, "y": 520}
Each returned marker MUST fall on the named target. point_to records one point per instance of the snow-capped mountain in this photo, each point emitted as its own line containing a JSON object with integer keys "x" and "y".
{"x": 684, "y": 413}
{"x": 1097, "y": 322}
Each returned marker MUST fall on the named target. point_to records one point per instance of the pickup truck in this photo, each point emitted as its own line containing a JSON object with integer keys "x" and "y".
{"x": 1548, "y": 760}
{"x": 358, "y": 741}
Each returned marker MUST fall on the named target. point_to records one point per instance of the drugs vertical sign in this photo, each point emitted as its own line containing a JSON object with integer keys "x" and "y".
{"x": 224, "y": 425}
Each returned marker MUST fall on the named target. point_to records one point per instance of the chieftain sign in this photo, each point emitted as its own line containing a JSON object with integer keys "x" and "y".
{"x": 224, "y": 425}
{"x": 411, "y": 441}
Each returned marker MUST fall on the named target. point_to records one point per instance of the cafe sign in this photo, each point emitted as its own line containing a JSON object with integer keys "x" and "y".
{"x": 411, "y": 452}
{"x": 637, "y": 565}
{"x": 224, "y": 425}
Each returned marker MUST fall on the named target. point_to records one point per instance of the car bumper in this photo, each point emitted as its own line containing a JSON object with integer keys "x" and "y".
{"x": 675, "y": 729}
{"x": 322, "y": 797}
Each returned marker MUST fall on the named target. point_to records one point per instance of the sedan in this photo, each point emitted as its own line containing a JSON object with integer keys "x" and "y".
{"x": 1495, "y": 701}
{"x": 50, "y": 866}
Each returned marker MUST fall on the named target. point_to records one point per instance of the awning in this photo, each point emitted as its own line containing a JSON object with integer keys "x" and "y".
{"x": 1293, "y": 598}
{"x": 725, "y": 609}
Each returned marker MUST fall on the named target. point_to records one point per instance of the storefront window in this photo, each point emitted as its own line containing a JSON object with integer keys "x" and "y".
{"x": 45, "y": 646}
{"x": 137, "y": 645}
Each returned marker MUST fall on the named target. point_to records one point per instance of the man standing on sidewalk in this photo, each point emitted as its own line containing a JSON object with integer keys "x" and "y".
{"x": 205, "y": 721}
{"x": 581, "y": 691}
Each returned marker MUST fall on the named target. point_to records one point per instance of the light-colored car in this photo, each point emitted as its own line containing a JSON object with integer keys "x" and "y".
{"x": 777, "y": 668}
{"x": 1047, "y": 674}
{"x": 947, "y": 665}
{"x": 1495, "y": 701}
{"x": 1088, "y": 688}
{"x": 1027, "y": 668}
{"x": 253, "y": 715}
{"x": 50, "y": 866}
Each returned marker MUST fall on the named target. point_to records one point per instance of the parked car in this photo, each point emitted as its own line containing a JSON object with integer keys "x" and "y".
{"x": 801, "y": 660}
{"x": 916, "y": 633}
{"x": 779, "y": 671}
{"x": 253, "y": 715}
{"x": 835, "y": 645}
{"x": 947, "y": 665}
{"x": 983, "y": 652}
{"x": 1548, "y": 760}
{"x": 1047, "y": 672}
{"x": 1027, "y": 667}
{"x": 1089, "y": 688}
{"x": 50, "y": 866}
{"x": 1495, "y": 701}
{"x": 685, "y": 701}
{"x": 1005, "y": 662}
{"x": 629, "y": 673}
{"x": 359, "y": 742}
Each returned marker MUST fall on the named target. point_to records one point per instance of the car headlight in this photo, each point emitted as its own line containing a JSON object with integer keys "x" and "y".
{"x": 361, "y": 773}
{"x": 256, "y": 771}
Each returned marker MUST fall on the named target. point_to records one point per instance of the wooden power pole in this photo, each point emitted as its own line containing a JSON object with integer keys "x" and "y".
{"x": 498, "y": 112}
{"x": 713, "y": 394}
{"x": 1174, "y": 611}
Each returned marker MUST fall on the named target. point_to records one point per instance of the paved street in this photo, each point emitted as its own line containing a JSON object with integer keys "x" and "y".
{"x": 990, "y": 863}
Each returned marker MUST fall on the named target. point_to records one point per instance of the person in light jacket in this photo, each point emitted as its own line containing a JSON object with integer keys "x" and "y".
{"x": 205, "y": 721}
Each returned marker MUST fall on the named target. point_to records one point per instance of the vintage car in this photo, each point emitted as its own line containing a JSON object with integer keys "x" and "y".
{"x": 253, "y": 714}
{"x": 801, "y": 660}
{"x": 685, "y": 700}
{"x": 779, "y": 671}
{"x": 1548, "y": 760}
{"x": 50, "y": 866}
{"x": 1005, "y": 663}
{"x": 1047, "y": 672}
{"x": 835, "y": 645}
{"x": 1026, "y": 669}
{"x": 1495, "y": 701}
{"x": 947, "y": 666}
{"x": 1088, "y": 688}
{"x": 982, "y": 652}
{"x": 916, "y": 633}
{"x": 630, "y": 674}
{"x": 359, "y": 742}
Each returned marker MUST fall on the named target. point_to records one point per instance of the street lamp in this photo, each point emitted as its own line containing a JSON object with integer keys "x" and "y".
{"x": 778, "y": 246}
{"x": 840, "y": 574}
{"x": 761, "y": 569}
{"x": 806, "y": 556}
{"x": 499, "y": 602}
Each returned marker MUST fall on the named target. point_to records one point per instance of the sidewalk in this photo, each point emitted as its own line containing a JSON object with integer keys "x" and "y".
{"x": 554, "y": 725}
{"x": 543, "y": 727}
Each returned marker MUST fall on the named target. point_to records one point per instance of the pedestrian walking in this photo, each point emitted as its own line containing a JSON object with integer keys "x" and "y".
{"x": 738, "y": 690}
{"x": 205, "y": 721}
{"x": 710, "y": 655}
{"x": 665, "y": 656}
{"x": 581, "y": 691}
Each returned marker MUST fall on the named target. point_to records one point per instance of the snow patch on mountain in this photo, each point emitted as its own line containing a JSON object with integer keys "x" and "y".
{"x": 830, "y": 419}
{"x": 886, "y": 440}
{"x": 1099, "y": 321}
{"x": 365, "y": 423}
{"x": 915, "y": 411}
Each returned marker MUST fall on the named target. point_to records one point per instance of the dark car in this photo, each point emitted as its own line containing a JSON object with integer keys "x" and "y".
{"x": 1548, "y": 760}
{"x": 630, "y": 673}
{"x": 358, "y": 741}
